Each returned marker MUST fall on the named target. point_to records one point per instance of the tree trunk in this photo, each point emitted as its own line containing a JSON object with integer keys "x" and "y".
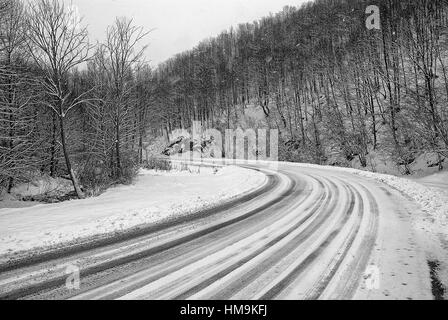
{"x": 53, "y": 159}
{"x": 11, "y": 121}
{"x": 68, "y": 163}
{"x": 117, "y": 149}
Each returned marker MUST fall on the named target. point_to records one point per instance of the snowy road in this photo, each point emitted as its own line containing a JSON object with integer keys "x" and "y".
{"x": 308, "y": 234}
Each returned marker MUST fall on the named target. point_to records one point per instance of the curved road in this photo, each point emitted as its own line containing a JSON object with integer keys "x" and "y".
{"x": 306, "y": 234}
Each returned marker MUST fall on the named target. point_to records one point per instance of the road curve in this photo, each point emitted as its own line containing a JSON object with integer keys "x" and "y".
{"x": 311, "y": 233}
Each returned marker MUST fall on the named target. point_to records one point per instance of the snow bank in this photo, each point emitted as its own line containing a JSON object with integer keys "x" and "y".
{"x": 432, "y": 200}
{"x": 193, "y": 169}
{"x": 41, "y": 186}
{"x": 437, "y": 180}
{"x": 155, "y": 197}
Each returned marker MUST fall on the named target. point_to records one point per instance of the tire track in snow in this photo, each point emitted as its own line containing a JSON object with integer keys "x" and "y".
{"x": 313, "y": 241}
{"x": 16, "y": 283}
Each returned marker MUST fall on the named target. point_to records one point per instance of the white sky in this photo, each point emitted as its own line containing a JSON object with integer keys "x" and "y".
{"x": 178, "y": 24}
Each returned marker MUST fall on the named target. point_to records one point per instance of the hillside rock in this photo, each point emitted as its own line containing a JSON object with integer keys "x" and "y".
{"x": 183, "y": 144}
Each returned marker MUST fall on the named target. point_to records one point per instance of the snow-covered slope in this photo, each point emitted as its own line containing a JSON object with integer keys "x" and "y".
{"x": 153, "y": 198}
{"x": 437, "y": 180}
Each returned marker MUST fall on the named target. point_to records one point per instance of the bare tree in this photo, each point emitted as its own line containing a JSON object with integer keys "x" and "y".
{"x": 122, "y": 53}
{"x": 18, "y": 94}
{"x": 58, "y": 43}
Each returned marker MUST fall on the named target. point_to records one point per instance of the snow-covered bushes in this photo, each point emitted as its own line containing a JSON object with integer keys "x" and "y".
{"x": 158, "y": 164}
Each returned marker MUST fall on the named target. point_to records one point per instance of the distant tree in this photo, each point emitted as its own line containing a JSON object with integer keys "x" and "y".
{"x": 18, "y": 97}
{"x": 121, "y": 53}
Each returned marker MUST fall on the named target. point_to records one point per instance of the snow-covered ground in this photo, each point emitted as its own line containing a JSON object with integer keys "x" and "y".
{"x": 154, "y": 197}
{"x": 157, "y": 196}
{"x": 431, "y": 194}
{"x": 432, "y": 197}
{"x": 436, "y": 180}
{"x": 40, "y": 186}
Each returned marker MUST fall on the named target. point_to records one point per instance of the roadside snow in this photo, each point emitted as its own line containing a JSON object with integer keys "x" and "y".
{"x": 431, "y": 225}
{"x": 193, "y": 169}
{"x": 436, "y": 180}
{"x": 10, "y": 201}
{"x": 434, "y": 201}
{"x": 42, "y": 185}
{"x": 39, "y": 187}
{"x": 155, "y": 196}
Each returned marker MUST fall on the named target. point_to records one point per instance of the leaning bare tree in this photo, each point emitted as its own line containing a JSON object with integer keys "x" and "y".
{"x": 58, "y": 44}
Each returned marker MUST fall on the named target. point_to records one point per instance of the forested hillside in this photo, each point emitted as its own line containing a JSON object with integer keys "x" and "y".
{"x": 336, "y": 90}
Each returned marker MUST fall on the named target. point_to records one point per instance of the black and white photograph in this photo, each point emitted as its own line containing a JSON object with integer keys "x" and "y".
{"x": 223, "y": 155}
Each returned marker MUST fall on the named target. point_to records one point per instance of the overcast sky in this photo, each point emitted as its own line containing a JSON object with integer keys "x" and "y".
{"x": 178, "y": 24}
